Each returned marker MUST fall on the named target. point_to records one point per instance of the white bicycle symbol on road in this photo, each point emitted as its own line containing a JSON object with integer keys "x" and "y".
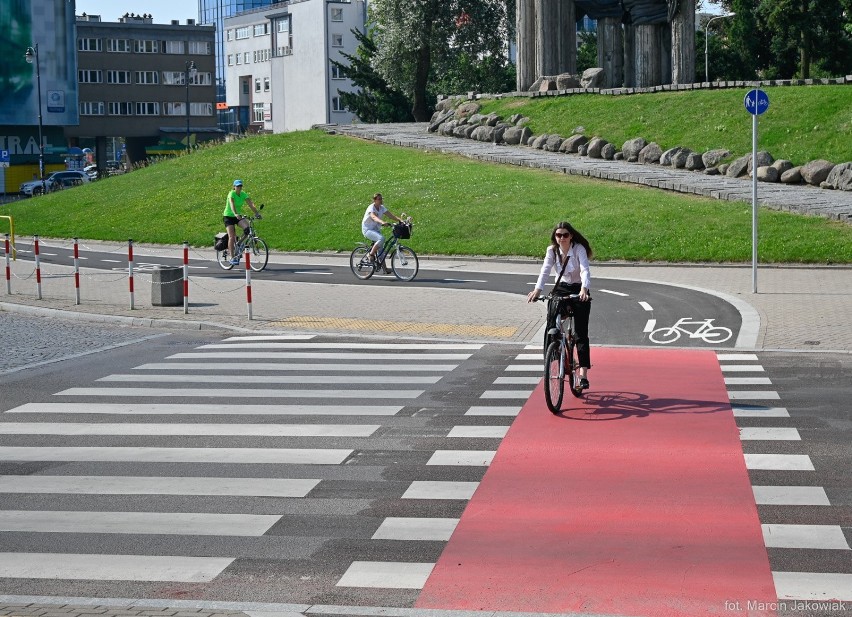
{"x": 705, "y": 331}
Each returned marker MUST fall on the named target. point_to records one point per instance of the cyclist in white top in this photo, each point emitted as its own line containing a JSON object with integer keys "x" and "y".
{"x": 372, "y": 224}
{"x": 568, "y": 258}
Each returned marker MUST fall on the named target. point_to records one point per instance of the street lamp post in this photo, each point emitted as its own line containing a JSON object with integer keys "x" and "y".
{"x": 31, "y": 55}
{"x": 191, "y": 71}
{"x": 707, "y": 44}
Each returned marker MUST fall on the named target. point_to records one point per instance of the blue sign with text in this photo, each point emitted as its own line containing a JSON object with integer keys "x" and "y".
{"x": 4, "y": 158}
{"x": 756, "y": 102}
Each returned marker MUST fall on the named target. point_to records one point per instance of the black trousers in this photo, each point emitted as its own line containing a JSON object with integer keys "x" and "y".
{"x": 582, "y": 311}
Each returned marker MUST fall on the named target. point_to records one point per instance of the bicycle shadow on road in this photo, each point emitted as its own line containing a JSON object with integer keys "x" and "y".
{"x": 607, "y": 406}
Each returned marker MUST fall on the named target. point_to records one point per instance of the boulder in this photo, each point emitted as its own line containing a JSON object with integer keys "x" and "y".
{"x": 573, "y": 143}
{"x": 492, "y": 119}
{"x": 694, "y": 162}
{"x": 767, "y": 173}
{"x": 815, "y": 172}
{"x": 445, "y": 105}
{"x": 738, "y": 167}
{"x": 592, "y": 78}
{"x": 650, "y": 154}
{"x": 483, "y": 133}
{"x": 763, "y": 159}
{"x": 792, "y": 176}
{"x": 666, "y": 157}
{"x": 583, "y": 149}
{"x": 840, "y": 177}
{"x": 680, "y": 157}
{"x": 552, "y": 143}
{"x": 468, "y": 109}
{"x": 711, "y": 158}
{"x": 547, "y": 85}
{"x": 712, "y": 171}
{"x": 566, "y": 81}
{"x": 594, "y": 147}
{"x": 517, "y": 135}
{"x": 513, "y": 119}
{"x": 538, "y": 142}
{"x": 476, "y": 118}
{"x": 438, "y": 118}
{"x": 782, "y": 165}
{"x": 723, "y": 169}
{"x": 631, "y": 149}
{"x": 608, "y": 152}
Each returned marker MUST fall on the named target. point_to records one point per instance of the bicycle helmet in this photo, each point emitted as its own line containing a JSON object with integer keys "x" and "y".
{"x": 238, "y": 182}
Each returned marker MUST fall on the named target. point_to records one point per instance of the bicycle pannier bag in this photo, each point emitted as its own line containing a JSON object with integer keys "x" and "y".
{"x": 220, "y": 241}
{"x": 402, "y": 231}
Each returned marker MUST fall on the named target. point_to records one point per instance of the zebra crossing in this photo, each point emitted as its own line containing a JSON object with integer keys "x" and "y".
{"x": 248, "y": 439}
{"x": 763, "y": 424}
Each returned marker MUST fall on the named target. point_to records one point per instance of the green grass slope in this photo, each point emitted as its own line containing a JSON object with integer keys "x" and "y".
{"x": 317, "y": 186}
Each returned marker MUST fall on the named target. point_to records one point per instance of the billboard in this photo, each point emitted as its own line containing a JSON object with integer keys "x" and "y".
{"x": 50, "y": 24}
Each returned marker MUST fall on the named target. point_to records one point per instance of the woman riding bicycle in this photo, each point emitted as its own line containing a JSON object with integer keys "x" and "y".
{"x": 233, "y": 215}
{"x": 568, "y": 257}
{"x": 371, "y": 226}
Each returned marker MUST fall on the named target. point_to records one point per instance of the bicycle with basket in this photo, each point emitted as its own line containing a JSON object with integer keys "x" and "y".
{"x": 249, "y": 241}
{"x": 404, "y": 262}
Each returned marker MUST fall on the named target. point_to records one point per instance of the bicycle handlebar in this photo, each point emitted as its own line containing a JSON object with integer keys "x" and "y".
{"x": 549, "y": 296}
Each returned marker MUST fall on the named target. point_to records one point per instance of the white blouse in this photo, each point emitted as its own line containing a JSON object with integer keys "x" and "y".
{"x": 576, "y": 270}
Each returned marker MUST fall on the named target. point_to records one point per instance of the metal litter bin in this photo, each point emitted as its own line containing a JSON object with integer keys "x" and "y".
{"x": 167, "y": 286}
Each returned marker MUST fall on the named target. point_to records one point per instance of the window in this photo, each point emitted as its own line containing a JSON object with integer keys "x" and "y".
{"x": 118, "y": 45}
{"x": 258, "y": 112}
{"x": 266, "y": 84}
{"x": 230, "y": 59}
{"x": 239, "y": 59}
{"x": 337, "y": 72}
{"x": 147, "y": 109}
{"x": 174, "y": 109}
{"x": 201, "y": 109}
{"x": 147, "y": 77}
{"x": 89, "y": 45}
{"x": 86, "y": 76}
{"x": 146, "y": 47}
{"x": 337, "y": 104}
{"x": 337, "y": 40}
{"x": 243, "y": 32}
{"x": 336, "y": 14}
{"x": 201, "y": 79}
{"x": 246, "y": 86}
{"x": 257, "y": 85}
{"x": 261, "y": 29}
{"x": 91, "y": 108}
{"x": 174, "y": 47}
{"x": 230, "y": 35}
{"x": 174, "y": 78}
{"x": 118, "y": 77}
{"x": 200, "y": 48}
{"x": 120, "y": 109}
{"x": 283, "y": 25}
{"x": 246, "y": 58}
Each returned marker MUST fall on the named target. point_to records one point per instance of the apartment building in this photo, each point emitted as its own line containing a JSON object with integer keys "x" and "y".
{"x": 152, "y": 85}
{"x": 278, "y": 71}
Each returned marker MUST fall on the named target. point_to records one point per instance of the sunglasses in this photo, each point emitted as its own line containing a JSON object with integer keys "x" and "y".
{"x": 560, "y": 235}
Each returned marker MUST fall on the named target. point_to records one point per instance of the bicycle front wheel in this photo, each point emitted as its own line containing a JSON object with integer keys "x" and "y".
{"x": 259, "y": 254}
{"x": 360, "y": 263}
{"x": 404, "y": 263}
{"x": 224, "y": 259}
{"x": 572, "y": 369}
{"x": 554, "y": 383}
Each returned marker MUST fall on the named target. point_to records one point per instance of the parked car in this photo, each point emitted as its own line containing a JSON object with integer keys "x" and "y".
{"x": 54, "y": 182}
{"x": 115, "y": 168}
{"x": 91, "y": 171}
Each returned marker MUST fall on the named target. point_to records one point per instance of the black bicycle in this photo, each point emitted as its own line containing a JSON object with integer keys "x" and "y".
{"x": 404, "y": 262}
{"x": 248, "y": 242}
{"x": 561, "y": 361}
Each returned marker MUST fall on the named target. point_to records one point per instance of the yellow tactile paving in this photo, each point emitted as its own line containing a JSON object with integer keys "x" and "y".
{"x": 408, "y": 327}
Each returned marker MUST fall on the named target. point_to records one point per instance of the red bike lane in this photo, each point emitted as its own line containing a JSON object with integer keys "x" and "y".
{"x": 635, "y": 500}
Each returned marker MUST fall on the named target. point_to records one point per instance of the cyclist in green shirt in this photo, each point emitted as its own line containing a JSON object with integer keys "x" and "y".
{"x": 233, "y": 215}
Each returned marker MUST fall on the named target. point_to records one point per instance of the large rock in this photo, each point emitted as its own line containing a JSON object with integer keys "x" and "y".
{"x": 767, "y": 173}
{"x": 596, "y": 144}
{"x": 631, "y": 149}
{"x": 438, "y": 118}
{"x": 840, "y": 177}
{"x": 492, "y": 119}
{"x": 483, "y": 133}
{"x": 517, "y": 135}
{"x": 552, "y": 143}
{"x": 572, "y": 144}
{"x": 738, "y": 167}
{"x": 608, "y": 152}
{"x": 782, "y": 165}
{"x": 538, "y": 142}
{"x": 792, "y": 176}
{"x": 667, "y": 156}
{"x": 711, "y": 158}
{"x": 467, "y": 110}
{"x": 680, "y": 158}
{"x": 445, "y": 105}
{"x": 566, "y": 81}
{"x": 592, "y": 78}
{"x": 817, "y": 171}
{"x": 764, "y": 159}
{"x": 650, "y": 154}
{"x": 694, "y": 162}
{"x": 547, "y": 85}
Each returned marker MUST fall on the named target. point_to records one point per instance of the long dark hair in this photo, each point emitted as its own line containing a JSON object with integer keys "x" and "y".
{"x": 576, "y": 238}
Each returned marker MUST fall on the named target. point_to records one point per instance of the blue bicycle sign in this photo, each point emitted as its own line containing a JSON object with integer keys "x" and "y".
{"x": 756, "y": 102}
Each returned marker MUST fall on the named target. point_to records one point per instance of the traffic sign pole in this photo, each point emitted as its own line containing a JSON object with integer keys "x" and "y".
{"x": 756, "y": 102}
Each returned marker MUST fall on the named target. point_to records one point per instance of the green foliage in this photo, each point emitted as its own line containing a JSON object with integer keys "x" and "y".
{"x": 316, "y": 187}
{"x": 587, "y": 52}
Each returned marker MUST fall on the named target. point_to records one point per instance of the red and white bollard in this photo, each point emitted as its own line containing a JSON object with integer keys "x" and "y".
{"x": 37, "y": 265}
{"x": 248, "y": 282}
{"x": 130, "y": 268}
{"x": 8, "y": 269}
{"x": 185, "y": 277}
{"x": 76, "y": 272}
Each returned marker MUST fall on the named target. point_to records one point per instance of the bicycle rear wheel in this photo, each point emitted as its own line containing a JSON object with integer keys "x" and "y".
{"x": 224, "y": 259}
{"x": 259, "y": 254}
{"x": 572, "y": 369}
{"x": 404, "y": 263}
{"x": 554, "y": 383}
{"x": 360, "y": 263}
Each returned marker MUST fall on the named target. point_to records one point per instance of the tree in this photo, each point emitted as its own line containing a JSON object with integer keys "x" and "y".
{"x": 419, "y": 39}
{"x": 375, "y": 100}
{"x": 587, "y": 52}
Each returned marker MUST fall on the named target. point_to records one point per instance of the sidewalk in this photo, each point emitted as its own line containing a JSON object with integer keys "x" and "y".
{"x": 796, "y": 308}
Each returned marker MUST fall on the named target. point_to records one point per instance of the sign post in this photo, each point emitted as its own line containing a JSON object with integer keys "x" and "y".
{"x": 756, "y": 102}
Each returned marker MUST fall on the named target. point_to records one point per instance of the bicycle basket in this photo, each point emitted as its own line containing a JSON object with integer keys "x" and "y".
{"x": 402, "y": 230}
{"x": 220, "y": 241}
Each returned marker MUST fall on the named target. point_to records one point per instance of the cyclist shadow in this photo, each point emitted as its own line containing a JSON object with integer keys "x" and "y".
{"x": 607, "y": 406}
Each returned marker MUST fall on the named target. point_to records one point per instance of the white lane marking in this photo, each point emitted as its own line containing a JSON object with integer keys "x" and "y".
{"x": 531, "y": 356}
{"x": 112, "y": 261}
{"x": 829, "y": 587}
{"x": 463, "y": 281}
{"x": 313, "y": 272}
{"x": 475, "y": 432}
{"x": 437, "y": 489}
{"x": 779, "y": 462}
{"x": 747, "y": 381}
{"x": 386, "y": 575}
{"x": 165, "y": 523}
{"x": 650, "y": 325}
{"x": 171, "y": 568}
{"x": 646, "y": 306}
{"x": 790, "y": 496}
{"x": 283, "y": 379}
{"x": 462, "y": 458}
{"x": 176, "y": 409}
{"x": 307, "y": 355}
{"x": 296, "y": 456}
{"x": 275, "y": 366}
{"x": 272, "y": 337}
{"x": 756, "y": 433}
{"x": 614, "y": 293}
{"x": 505, "y": 394}
{"x": 805, "y": 536}
{"x": 492, "y": 410}
{"x": 759, "y": 411}
{"x": 242, "y": 430}
{"x": 237, "y": 393}
{"x": 396, "y": 528}
{"x": 345, "y": 345}
{"x": 741, "y": 368}
{"x": 736, "y": 357}
{"x": 517, "y": 368}
{"x": 517, "y": 381}
{"x": 158, "y": 485}
{"x": 758, "y": 395}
